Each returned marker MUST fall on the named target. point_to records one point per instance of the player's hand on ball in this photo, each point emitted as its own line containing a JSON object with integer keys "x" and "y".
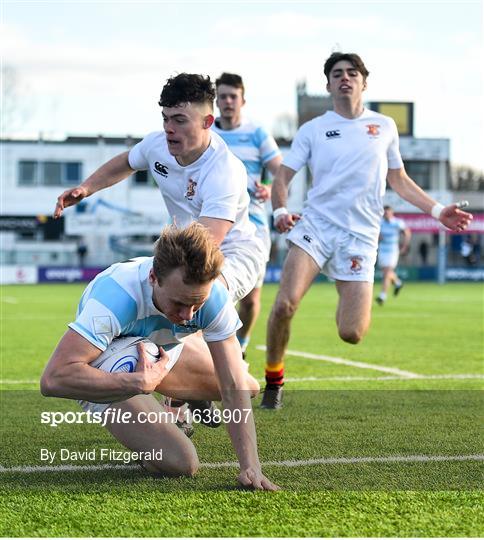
{"x": 254, "y": 479}
{"x": 286, "y": 222}
{"x": 152, "y": 373}
{"x": 454, "y": 218}
{"x": 70, "y": 197}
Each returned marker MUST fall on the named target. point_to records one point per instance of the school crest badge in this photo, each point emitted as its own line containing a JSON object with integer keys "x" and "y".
{"x": 373, "y": 130}
{"x": 190, "y": 193}
{"x": 355, "y": 265}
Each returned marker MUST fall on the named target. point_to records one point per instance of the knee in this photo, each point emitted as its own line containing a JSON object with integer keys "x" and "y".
{"x": 351, "y": 335}
{"x": 190, "y": 467}
{"x": 284, "y": 308}
{"x": 253, "y": 386}
{"x": 250, "y": 302}
{"x": 186, "y": 464}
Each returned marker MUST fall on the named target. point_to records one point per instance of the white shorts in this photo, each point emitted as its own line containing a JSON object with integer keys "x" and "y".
{"x": 388, "y": 260}
{"x": 265, "y": 235}
{"x": 339, "y": 254}
{"x": 174, "y": 354}
{"x": 242, "y": 270}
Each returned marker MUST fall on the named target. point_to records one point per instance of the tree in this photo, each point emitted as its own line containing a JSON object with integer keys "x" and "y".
{"x": 466, "y": 178}
{"x": 13, "y": 111}
{"x": 284, "y": 127}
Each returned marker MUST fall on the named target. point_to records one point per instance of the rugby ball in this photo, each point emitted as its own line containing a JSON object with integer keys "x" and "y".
{"x": 122, "y": 355}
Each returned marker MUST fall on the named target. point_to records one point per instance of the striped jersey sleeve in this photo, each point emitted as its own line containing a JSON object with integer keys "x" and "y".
{"x": 218, "y": 317}
{"x": 105, "y": 310}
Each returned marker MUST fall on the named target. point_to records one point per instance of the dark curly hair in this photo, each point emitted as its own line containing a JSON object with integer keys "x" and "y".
{"x": 187, "y": 88}
{"x": 352, "y": 58}
{"x": 230, "y": 79}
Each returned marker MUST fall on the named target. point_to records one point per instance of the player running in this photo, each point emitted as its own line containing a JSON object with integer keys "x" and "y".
{"x": 257, "y": 150}
{"x": 351, "y": 152}
{"x": 198, "y": 177}
{"x": 392, "y": 230}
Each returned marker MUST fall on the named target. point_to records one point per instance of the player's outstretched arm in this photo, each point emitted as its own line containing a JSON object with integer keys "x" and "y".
{"x": 107, "y": 175}
{"x": 451, "y": 216}
{"x": 231, "y": 374}
{"x": 254, "y": 479}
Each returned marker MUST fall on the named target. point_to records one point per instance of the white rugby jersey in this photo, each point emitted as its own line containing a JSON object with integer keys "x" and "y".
{"x": 254, "y": 147}
{"x": 390, "y": 235}
{"x": 214, "y": 186}
{"x": 349, "y": 160}
{"x": 118, "y": 303}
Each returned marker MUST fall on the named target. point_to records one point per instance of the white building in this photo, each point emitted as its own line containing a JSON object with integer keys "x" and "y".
{"x": 123, "y": 221}
{"x": 34, "y": 173}
{"x": 113, "y": 224}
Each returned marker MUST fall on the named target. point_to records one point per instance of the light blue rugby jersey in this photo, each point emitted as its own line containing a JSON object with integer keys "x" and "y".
{"x": 254, "y": 147}
{"x": 118, "y": 302}
{"x": 390, "y": 235}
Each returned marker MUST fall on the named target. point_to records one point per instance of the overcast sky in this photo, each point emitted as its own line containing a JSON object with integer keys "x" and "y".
{"x": 86, "y": 68}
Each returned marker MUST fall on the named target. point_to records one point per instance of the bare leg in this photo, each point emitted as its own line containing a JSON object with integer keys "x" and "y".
{"x": 298, "y": 273}
{"x": 193, "y": 376}
{"x": 353, "y": 315}
{"x": 249, "y": 309}
{"x": 179, "y": 457}
{"x": 388, "y": 278}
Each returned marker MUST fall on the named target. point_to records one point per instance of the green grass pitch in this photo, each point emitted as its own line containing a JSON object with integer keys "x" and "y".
{"x": 382, "y": 439}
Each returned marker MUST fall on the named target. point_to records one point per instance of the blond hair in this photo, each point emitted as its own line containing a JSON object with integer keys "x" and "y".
{"x": 192, "y": 249}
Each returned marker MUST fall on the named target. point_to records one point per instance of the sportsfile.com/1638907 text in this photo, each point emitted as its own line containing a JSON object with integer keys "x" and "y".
{"x": 116, "y": 416}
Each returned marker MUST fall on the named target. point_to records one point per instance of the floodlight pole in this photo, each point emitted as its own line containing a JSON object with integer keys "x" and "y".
{"x": 441, "y": 256}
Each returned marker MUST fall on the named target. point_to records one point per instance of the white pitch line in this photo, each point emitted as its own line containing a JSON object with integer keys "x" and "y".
{"x": 9, "y": 299}
{"x": 373, "y": 459}
{"x": 346, "y": 362}
{"x": 66, "y": 468}
{"x": 450, "y": 377}
{"x": 15, "y": 381}
{"x": 447, "y": 377}
{"x": 228, "y": 464}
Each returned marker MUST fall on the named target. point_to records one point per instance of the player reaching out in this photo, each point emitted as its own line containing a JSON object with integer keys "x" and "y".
{"x": 198, "y": 177}
{"x": 167, "y": 298}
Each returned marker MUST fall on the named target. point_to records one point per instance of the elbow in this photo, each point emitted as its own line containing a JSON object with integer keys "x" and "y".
{"x": 48, "y": 387}
{"x": 45, "y": 386}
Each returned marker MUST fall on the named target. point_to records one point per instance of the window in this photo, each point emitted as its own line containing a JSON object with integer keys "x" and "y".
{"x": 73, "y": 171}
{"x": 49, "y": 173}
{"x": 27, "y": 173}
{"x": 419, "y": 171}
